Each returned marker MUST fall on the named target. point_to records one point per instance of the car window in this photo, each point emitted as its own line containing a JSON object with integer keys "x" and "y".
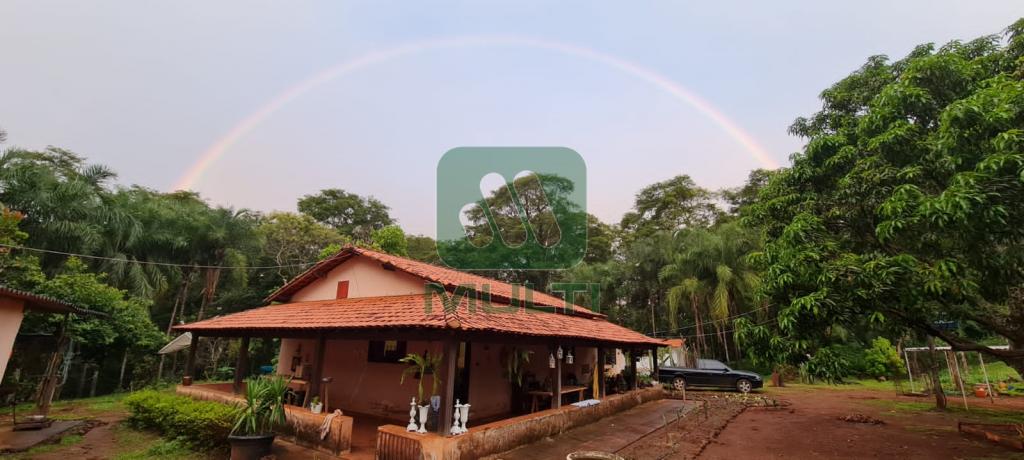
{"x": 711, "y": 365}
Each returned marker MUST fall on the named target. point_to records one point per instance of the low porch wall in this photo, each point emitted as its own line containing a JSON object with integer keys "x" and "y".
{"x": 303, "y": 426}
{"x": 503, "y": 435}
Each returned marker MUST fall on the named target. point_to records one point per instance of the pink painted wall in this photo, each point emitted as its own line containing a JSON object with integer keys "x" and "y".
{"x": 366, "y": 279}
{"x": 370, "y": 388}
{"x": 11, "y": 313}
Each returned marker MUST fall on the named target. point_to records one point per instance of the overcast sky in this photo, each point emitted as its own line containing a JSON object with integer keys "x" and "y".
{"x": 366, "y": 96}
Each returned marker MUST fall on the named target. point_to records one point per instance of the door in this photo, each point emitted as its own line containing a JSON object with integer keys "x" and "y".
{"x": 463, "y": 364}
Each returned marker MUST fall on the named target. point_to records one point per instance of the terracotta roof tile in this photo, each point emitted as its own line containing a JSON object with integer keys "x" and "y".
{"x": 409, "y": 311}
{"x": 448, "y": 277}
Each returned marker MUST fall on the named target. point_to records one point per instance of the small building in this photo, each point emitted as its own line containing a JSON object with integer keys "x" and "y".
{"x": 345, "y": 323}
{"x": 13, "y": 305}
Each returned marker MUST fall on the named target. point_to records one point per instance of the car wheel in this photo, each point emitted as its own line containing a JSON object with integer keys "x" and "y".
{"x": 679, "y": 384}
{"x": 744, "y": 386}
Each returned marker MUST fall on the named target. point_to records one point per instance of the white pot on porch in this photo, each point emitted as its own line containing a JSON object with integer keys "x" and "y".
{"x": 316, "y": 408}
{"x": 424, "y": 411}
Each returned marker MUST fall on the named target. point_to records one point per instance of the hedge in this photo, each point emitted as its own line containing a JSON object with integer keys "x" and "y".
{"x": 201, "y": 424}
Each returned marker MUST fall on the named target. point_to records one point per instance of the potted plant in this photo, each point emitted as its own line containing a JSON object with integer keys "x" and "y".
{"x": 315, "y": 405}
{"x": 516, "y": 361}
{"x": 419, "y": 367}
{"x": 255, "y": 421}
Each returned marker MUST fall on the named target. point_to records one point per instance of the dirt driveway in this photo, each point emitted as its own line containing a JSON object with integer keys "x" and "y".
{"x": 812, "y": 428}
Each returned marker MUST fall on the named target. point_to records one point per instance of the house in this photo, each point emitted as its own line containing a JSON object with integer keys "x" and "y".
{"x": 346, "y": 322}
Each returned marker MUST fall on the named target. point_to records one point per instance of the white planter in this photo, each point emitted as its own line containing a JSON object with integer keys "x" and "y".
{"x": 316, "y": 408}
{"x": 424, "y": 410}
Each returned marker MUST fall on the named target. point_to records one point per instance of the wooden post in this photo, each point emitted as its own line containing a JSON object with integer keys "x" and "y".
{"x": 242, "y": 365}
{"x": 632, "y": 369}
{"x": 190, "y": 364}
{"x": 654, "y": 367}
{"x": 451, "y": 358}
{"x": 556, "y": 394}
{"x": 602, "y": 391}
{"x": 313, "y": 388}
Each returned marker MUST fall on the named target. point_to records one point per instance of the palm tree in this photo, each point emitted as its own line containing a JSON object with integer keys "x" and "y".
{"x": 711, "y": 276}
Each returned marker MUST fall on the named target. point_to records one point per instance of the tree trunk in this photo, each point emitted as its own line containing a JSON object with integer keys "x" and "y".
{"x": 124, "y": 364}
{"x": 933, "y": 374}
{"x": 209, "y": 290}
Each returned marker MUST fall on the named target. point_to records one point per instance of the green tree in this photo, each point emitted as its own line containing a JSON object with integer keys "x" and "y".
{"x": 710, "y": 277}
{"x": 348, "y": 213}
{"x": 391, "y": 239}
{"x": 904, "y": 206}
{"x": 294, "y": 239}
{"x": 423, "y": 248}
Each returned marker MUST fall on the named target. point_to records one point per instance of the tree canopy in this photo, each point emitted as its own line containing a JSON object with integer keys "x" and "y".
{"x": 904, "y": 206}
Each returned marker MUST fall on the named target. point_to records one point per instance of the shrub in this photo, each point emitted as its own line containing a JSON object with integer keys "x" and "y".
{"x": 882, "y": 359}
{"x": 827, "y": 365}
{"x": 200, "y": 424}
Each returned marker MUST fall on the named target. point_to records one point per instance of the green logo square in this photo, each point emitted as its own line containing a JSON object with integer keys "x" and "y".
{"x": 537, "y": 220}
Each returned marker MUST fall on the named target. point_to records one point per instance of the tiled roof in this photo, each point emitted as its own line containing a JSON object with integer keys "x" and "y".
{"x": 410, "y": 312}
{"x": 446, "y": 276}
{"x": 43, "y": 303}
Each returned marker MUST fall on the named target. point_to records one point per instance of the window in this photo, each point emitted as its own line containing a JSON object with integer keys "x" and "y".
{"x": 342, "y": 290}
{"x": 386, "y": 351}
{"x": 712, "y": 365}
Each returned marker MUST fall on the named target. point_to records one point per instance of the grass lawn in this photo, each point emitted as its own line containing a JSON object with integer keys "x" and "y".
{"x": 129, "y": 443}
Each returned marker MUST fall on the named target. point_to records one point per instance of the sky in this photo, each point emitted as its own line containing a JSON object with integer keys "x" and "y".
{"x": 257, "y": 103}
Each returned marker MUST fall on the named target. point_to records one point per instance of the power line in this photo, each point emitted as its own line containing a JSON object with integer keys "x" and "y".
{"x": 161, "y": 264}
{"x": 712, "y": 321}
{"x": 709, "y": 334}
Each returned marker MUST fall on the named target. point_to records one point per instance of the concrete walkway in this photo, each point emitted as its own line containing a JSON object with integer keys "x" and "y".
{"x": 611, "y": 434}
{"x": 17, "y": 441}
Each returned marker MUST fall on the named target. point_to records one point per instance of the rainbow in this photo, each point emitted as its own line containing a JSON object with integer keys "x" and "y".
{"x": 217, "y": 150}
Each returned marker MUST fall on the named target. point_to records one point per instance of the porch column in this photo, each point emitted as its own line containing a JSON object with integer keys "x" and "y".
{"x": 190, "y": 364}
{"x": 556, "y": 395}
{"x": 242, "y": 366}
{"x": 631, "y": 362}
{"x": 654, "y": 367}
{"x": 313, "y": 386}
{"x": 602, "y": 391}
{"x": 451, "y": 357}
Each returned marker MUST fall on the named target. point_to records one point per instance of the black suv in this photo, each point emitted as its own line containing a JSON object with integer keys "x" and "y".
{"x": 710, "y": 373}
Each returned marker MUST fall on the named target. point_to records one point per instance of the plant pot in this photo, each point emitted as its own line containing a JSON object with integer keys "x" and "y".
{"x": 316, "y": 408}
{"x": 250, "y": 447}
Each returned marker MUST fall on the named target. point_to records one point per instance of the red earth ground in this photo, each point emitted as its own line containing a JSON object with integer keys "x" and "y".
{"x": 812, "y": 428}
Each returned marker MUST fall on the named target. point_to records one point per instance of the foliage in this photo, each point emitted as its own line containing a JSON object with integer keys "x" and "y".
{"x": 515, "y": 365}
{"x": 294, "y": 239}
{"x": 18, "y": 271}
{"x": 201, "y": 424}
{"x": 419, "y": 367}
{"x": 670, "y": 205}
{"x": 904, "y": 207}
{"x": 711, "y": 278}
{"x": 827, "y": 365}
{"x": 263, "y": 410}
{"x": 423, "y": 249}
{"x": 127, "y": 324}
{"x": 882, "y": 359}
{"x": 350, "y": 214}
{"x": 390, "y": 239}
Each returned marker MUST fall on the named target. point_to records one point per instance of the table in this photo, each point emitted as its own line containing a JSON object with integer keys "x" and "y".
{"x": 537, "y": 394}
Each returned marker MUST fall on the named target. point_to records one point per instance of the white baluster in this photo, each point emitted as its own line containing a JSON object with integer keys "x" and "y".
{"x": 455, "y": 425}
{"x": 412, "y": 416}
